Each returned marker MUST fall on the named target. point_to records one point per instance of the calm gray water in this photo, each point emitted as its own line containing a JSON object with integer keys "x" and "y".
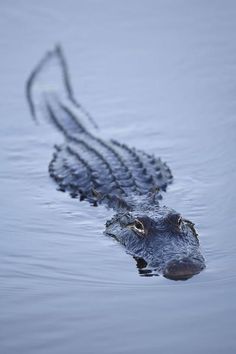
{"x": 160, "y": 75}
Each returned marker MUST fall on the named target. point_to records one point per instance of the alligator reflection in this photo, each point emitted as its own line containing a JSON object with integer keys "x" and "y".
{"x": 144, "y": 271}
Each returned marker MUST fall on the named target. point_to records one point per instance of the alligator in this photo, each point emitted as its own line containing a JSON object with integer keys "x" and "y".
{"x": 110, "y": 173}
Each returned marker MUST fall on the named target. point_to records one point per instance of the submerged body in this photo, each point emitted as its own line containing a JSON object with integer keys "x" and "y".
{"x": 110, "y": 173}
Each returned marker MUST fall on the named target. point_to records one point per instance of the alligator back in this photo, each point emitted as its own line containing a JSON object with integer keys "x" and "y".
{"x": 85, "y": 165}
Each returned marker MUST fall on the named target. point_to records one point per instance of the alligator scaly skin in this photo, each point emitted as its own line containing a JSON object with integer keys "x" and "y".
{"x": 85, "y": 164}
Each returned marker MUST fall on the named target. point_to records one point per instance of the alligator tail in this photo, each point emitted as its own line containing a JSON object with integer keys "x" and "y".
{"x": 49, "y": 93}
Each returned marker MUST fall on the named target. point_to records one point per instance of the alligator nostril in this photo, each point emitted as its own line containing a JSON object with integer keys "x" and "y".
{"x": 182, "y": 269}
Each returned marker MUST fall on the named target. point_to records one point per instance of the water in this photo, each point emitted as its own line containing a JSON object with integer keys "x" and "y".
{"x": 160, "y": 75}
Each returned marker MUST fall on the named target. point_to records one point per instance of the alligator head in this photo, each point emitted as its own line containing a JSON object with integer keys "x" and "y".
{"x": 161, "y": 241}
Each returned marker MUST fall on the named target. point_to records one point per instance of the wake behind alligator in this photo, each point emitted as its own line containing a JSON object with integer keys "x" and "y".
{"x": 127, "y": 180}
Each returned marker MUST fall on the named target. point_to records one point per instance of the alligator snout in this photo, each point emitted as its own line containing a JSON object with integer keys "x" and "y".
{"x": 183, "y": 269}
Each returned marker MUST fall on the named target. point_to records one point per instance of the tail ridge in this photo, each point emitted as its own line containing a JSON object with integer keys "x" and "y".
{"x": 67, "y": 93}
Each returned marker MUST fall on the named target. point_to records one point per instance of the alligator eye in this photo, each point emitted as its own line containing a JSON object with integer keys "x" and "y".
{"x": 190, "y": 224}
{"x": 138, "y": 227}
{"x": 179, "y": 221}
